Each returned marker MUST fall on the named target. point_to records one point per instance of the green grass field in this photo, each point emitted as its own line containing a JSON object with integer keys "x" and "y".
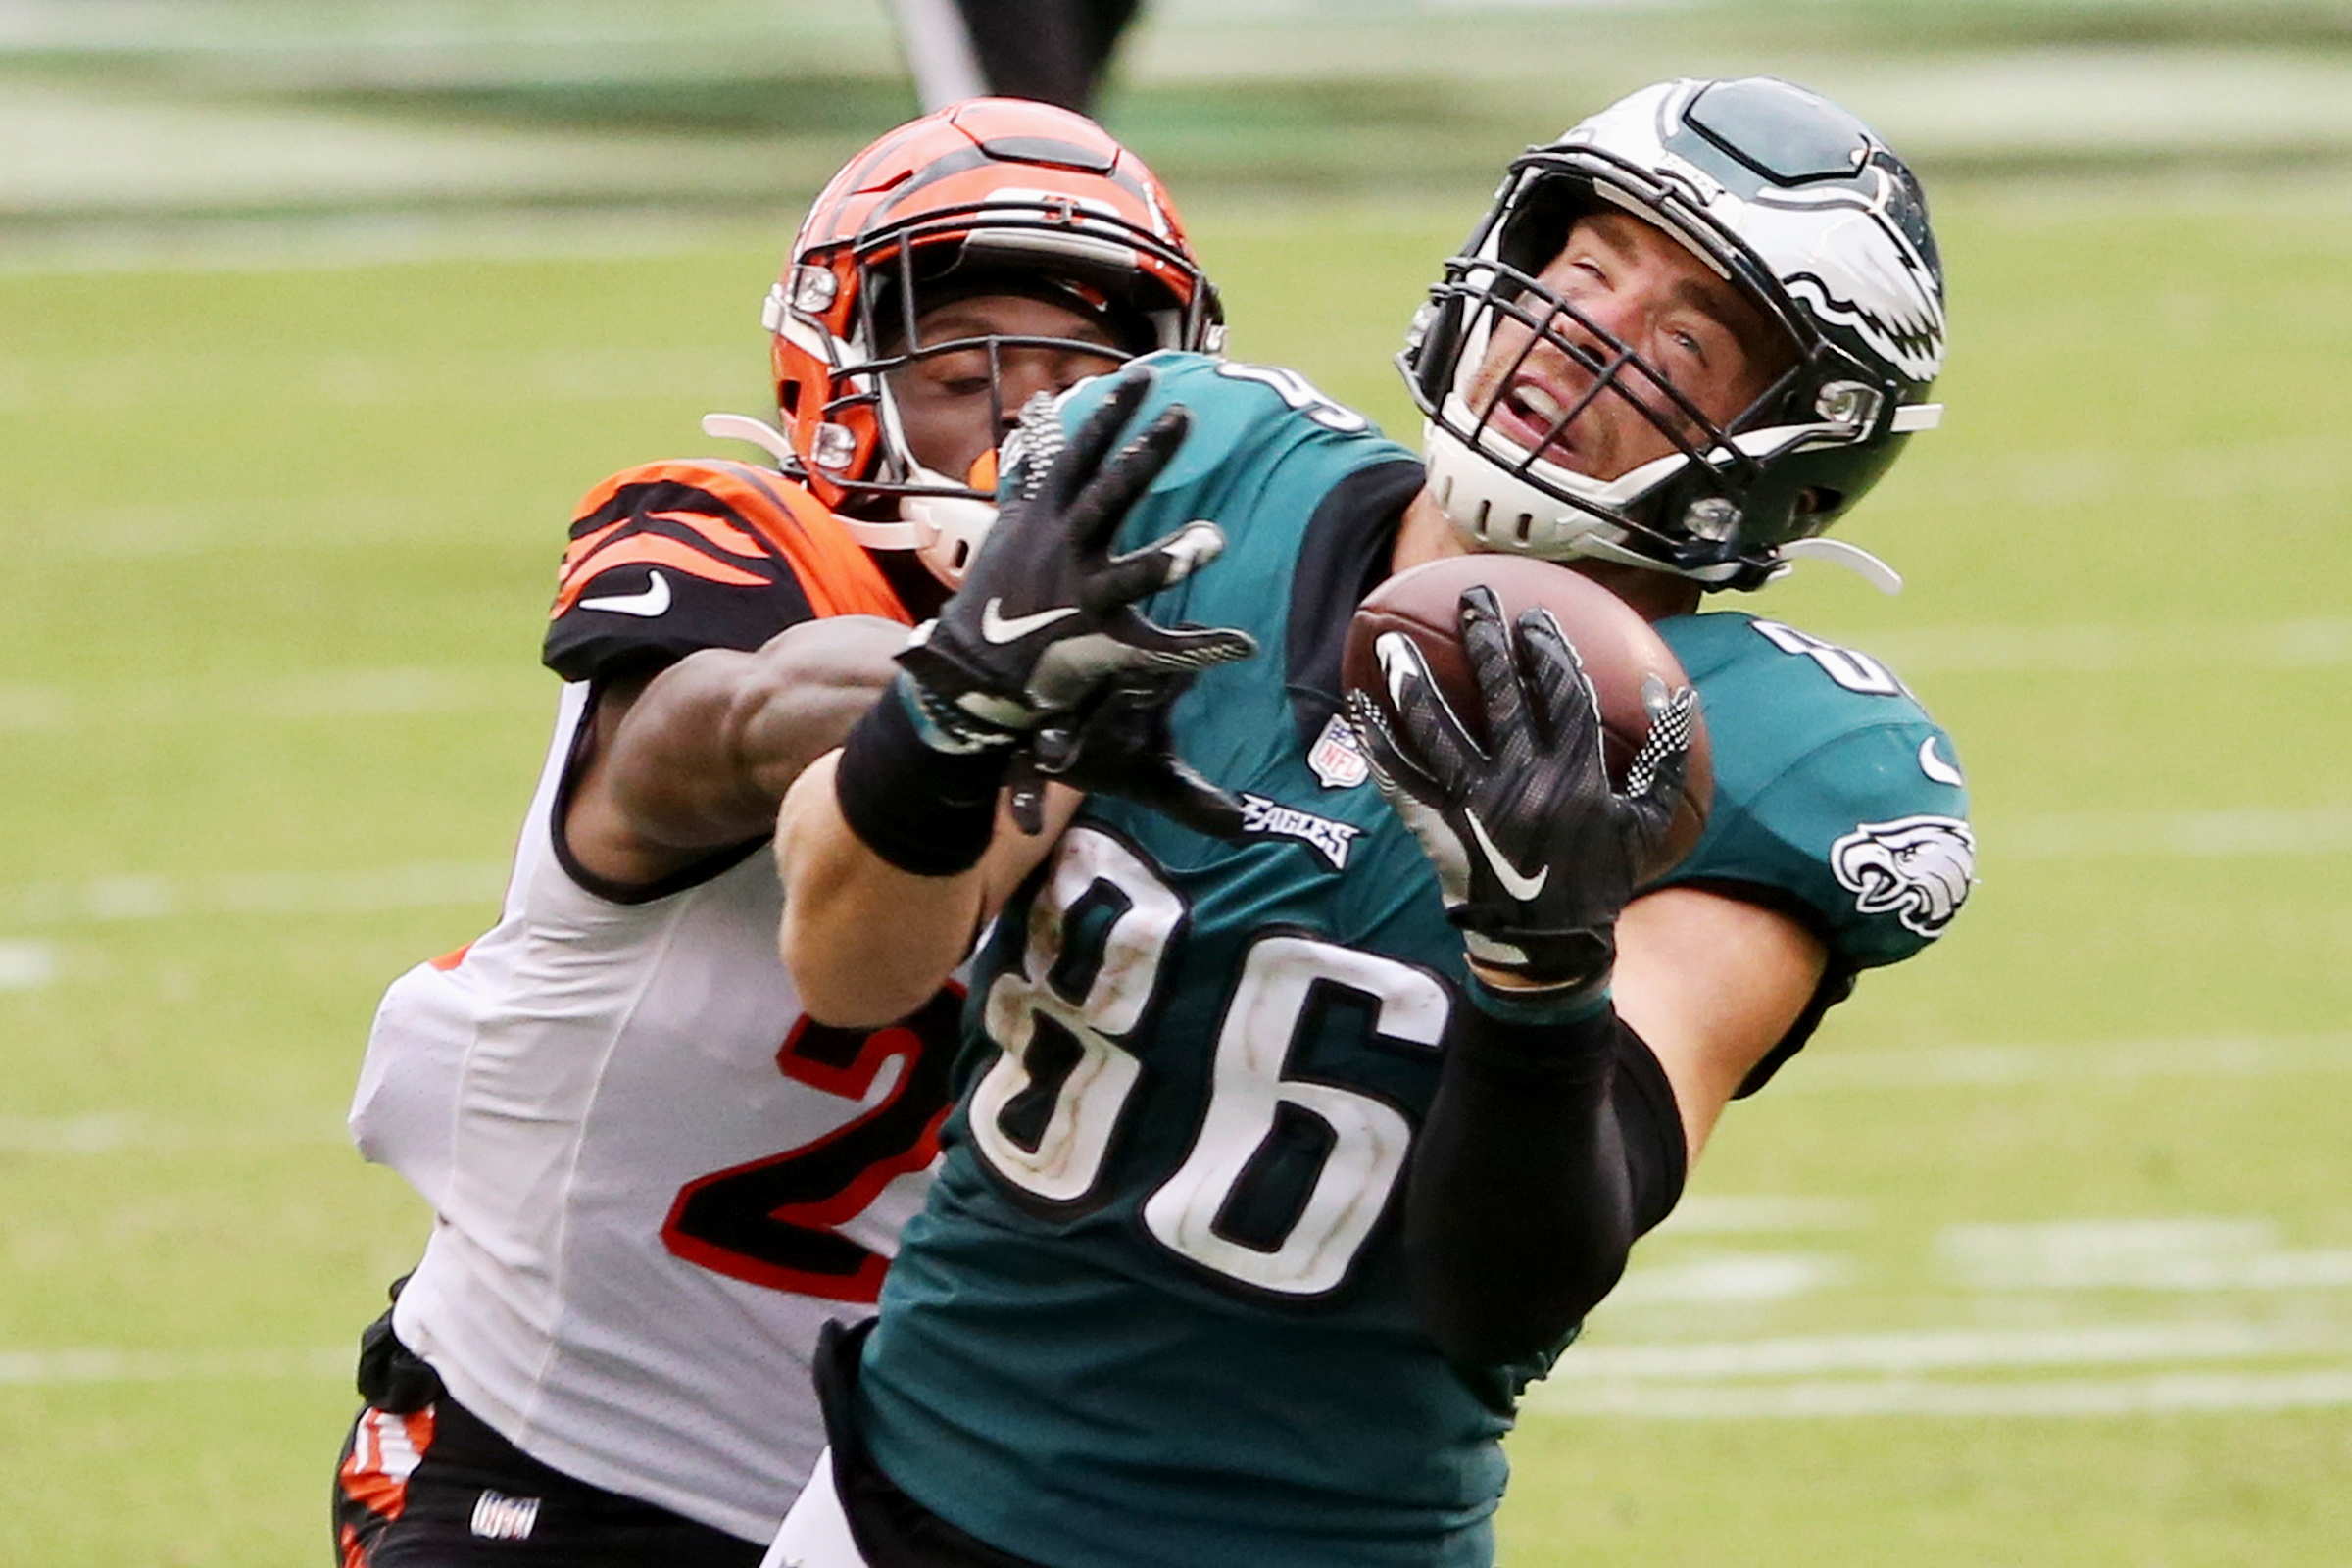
{"x": 2042, "y": 1254}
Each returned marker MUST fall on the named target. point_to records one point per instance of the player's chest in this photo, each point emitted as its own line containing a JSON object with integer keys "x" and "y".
{"x": 1231, "y": 1054}
{"x": 1315, "y": 947}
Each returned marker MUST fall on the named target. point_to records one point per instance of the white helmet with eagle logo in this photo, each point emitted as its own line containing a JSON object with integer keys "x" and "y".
{"x": 1795, "y": 203}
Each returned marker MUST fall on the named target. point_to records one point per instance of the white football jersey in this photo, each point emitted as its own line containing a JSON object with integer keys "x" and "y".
{"x": 653, "y": 1180}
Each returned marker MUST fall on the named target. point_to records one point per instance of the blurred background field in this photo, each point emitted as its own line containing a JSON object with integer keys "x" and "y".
{"x": 314, "y": 320}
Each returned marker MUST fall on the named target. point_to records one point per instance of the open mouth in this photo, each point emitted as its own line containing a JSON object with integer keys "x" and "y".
{"x": 1529, "y": 413}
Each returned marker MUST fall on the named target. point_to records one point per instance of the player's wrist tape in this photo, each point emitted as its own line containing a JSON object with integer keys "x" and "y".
{"x": 926, "y": 811}
{"x": 1539, "y": 1006}
{"x": 1523, "y": 1034}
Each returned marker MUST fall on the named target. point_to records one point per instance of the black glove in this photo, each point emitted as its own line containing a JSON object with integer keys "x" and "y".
{"x": 1119, "y": 745}
{"x": 1536, "y": 852}
{"x": 391, "y": 1377}
{"x": 1045, "y": 619}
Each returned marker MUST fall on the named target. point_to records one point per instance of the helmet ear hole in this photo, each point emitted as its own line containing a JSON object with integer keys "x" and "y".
{"x": 1533, "y": 234}
{"x": 1819, "y": 501}
{"x": 1434, "y": 357}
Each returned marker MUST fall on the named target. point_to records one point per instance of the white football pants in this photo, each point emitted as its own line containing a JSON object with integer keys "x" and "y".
{"x": 815, "y": 1534}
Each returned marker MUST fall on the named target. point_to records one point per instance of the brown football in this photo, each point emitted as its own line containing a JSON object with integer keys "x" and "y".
{"x": 1618, "y": 648}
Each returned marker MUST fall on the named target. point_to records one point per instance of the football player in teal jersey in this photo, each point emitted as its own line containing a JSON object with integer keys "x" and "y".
{"x": 1287, "y": 1153}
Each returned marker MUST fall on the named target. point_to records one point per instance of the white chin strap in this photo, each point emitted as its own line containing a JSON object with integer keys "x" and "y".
{"x": 950, "y": 528}
{"x": 943, "y": 530}
{"x": 1853, "y": 558}
{"x": 743, "y": 427}
{"x": 1494, "y": 508}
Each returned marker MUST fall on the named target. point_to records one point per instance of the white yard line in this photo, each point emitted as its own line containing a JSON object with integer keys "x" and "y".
{"x": 2217, "y": 1392}
{"x": 48, "y": 1368}
{"x": 107, "y": 150}
{"x": 154, "y": 898}
{"x": 332, "y": 381}
{"x": 1654, "y": 1380}
{"x": 1668, "y": 1381}
{"x": 2174, "y": 835}
{"x": 2125, "y": 1060}
{"x": 111, "y": 1132}
{"x": 99, "y": 1133}
{"x": 2091, "y": 649}
{"x": 327, "y": 694}
{"x": 2172, "y": 1254}
{"x": 27, "y": 965}
{"x": 1913, "y": 1354}
{"x": 1717, "y": 1277}
{"x": 1710, "y": 1215}
{"x": 154, "y": 531}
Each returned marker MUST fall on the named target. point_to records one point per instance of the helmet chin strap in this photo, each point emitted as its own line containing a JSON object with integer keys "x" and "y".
{"x": 1853, "y": 558}
{"x": 951, "y": 528}
{"x": 944, "y": 530}
{"x": 743, "y": 427}
{"x": 1495, "y": 509}
{"x": 1484, "y": 503}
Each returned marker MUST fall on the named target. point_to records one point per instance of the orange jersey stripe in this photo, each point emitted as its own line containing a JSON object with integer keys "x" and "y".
{"x": 582, "y": 547}
{"x": 835, "y": 572}
{"x": 383, "y": 1453}
{"x": 725, "y": 535}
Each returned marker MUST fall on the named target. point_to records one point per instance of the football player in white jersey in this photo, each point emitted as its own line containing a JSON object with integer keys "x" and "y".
{"x": 653, "y": 1180}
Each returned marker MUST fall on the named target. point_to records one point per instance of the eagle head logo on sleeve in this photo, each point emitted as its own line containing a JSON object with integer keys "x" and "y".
{"x": 1918, "y": 869}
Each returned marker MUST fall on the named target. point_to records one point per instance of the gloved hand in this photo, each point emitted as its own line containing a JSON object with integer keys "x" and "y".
{"x": 1536, "y": 852}
{"x": 1120, "y": 744}
{"x": 1045, "y": 619}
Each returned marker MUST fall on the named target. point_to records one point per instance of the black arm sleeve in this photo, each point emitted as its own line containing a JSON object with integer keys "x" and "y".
{"x": 1547, "y": 1151}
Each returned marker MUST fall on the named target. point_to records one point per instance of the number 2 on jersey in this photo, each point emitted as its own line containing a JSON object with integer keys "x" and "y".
{"x": 776, "y": 1222}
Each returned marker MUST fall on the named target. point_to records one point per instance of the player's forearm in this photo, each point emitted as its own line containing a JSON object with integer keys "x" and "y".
{"x": 866, "y": 943}
{"x": 669, "y": 775}
{"x": 1547, "y": 1152}
{"x": 704, "y": 757}
{"x": 1710, "y": 1019}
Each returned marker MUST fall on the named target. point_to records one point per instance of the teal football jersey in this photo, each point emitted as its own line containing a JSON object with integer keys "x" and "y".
{"x": 1832, "y": 787}
{"x": 1154, "y": 1313}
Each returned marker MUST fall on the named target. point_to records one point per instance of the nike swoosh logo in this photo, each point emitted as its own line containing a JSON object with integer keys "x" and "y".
{"x": 1517, "y": 885}
{"x": 996, "y": 629}
{"x": 1935, "y": 766}
{"x": 653, "y": 601}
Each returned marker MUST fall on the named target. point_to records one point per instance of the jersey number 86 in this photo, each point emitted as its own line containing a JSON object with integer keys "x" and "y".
{"x": 1045, "y": 1115}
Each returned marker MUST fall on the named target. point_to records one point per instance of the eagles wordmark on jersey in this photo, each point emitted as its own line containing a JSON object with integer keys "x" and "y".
{"x": 1154, "y": 1311}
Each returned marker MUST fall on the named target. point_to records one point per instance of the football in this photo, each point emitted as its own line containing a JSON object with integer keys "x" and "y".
{"x": 1620, "y": 651}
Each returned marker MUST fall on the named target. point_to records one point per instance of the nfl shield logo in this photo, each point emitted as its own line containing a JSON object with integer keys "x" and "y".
{"x": 1335, "y": 757}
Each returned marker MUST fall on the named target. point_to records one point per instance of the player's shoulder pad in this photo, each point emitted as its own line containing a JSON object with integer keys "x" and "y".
{"x": 670, "y": 558}
{"x": 1831, "y": 785}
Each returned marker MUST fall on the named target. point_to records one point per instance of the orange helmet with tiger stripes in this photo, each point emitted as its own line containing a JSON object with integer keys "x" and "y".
{"x": 988, "y": 189}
